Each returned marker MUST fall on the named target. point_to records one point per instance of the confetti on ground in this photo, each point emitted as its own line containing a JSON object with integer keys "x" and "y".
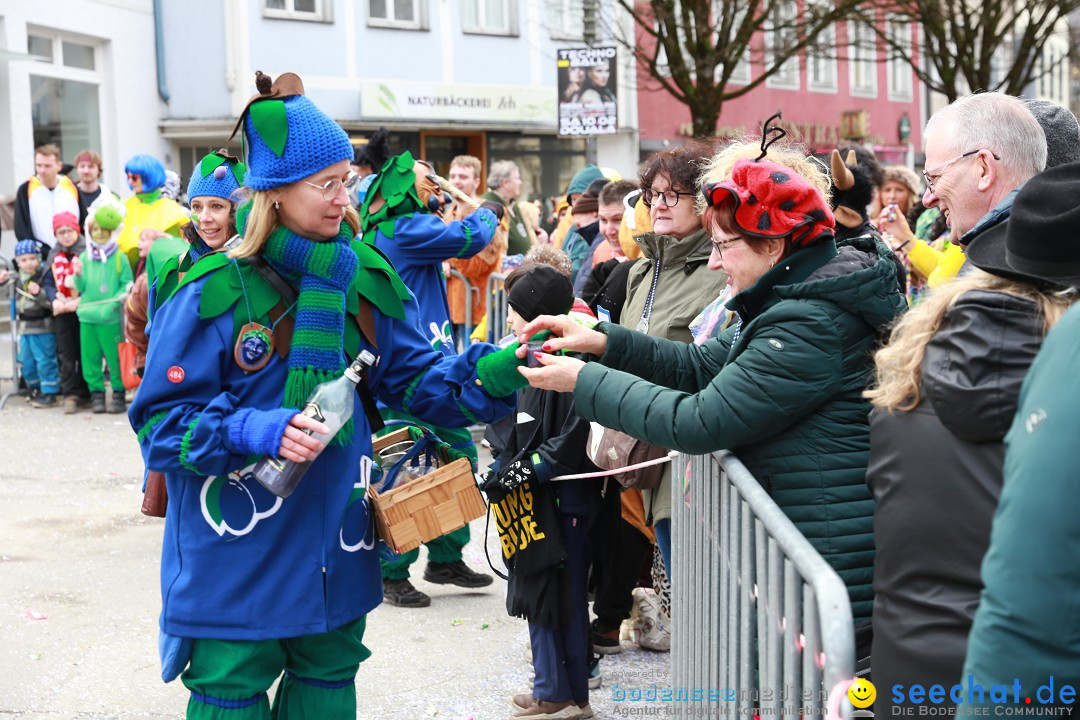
{"x": 457, "y": 621}
{"x": 35, "y": 615}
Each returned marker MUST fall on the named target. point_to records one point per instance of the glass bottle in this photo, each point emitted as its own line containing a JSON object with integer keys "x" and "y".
{"x": 331, "y": 403}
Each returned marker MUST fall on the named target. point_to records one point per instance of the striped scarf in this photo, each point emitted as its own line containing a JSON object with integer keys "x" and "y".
{"x": 199, "y": 249}
{"x": 323, "y": 270}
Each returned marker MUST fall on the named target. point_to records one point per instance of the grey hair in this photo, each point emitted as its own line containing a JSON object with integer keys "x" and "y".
{"x": 997, "y": 122}
{"x": 500, "y": 171}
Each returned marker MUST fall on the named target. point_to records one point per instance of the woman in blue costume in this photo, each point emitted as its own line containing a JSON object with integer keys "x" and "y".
{"x": 254, "y": 585}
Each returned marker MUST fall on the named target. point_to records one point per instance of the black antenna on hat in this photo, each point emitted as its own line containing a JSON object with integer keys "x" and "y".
{"x": 777, "y": 131}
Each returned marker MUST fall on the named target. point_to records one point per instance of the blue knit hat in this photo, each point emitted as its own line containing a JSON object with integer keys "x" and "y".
{"x": 27, "y": 247}
{"x": 286, "y": 137}
{"x": 217, "y": 175}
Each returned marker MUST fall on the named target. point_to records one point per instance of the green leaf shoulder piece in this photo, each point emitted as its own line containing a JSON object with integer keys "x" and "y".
{"x": 377, "y": 281}
{"x": 166, "y": 280}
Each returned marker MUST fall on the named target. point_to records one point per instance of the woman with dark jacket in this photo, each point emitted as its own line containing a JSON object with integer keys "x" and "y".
{"x": 782, "y": 387}
{"x": 947, "y": 389}
{"x": 671, "y": 285}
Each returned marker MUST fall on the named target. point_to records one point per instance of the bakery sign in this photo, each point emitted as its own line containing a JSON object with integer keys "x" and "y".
{"x": 402, "y": 100}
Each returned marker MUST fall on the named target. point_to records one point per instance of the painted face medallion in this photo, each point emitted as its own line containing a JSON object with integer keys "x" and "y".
{"x": 254, "y": 346}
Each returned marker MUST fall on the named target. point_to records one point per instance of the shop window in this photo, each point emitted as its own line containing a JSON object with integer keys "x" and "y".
{"x": 489, "y": 17}
{"x": 399, "y": 14}
{"x": 64, "y": 92}
{"x": 311, "y": 10}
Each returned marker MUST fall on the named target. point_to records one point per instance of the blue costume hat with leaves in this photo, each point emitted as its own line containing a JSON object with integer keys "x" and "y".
{"x": 217, "y": 175}
{"x": 286, "y": 138}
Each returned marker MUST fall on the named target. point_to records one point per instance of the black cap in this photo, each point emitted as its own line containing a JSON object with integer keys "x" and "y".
{"x": 541, "y": 290}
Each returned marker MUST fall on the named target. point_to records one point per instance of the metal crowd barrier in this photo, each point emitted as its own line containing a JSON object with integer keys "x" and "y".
{"x": 497, "y": 327}
{"x": 8, "y": 290}
{"x": 462, "y": 341}
{"x": 759, "y": 619}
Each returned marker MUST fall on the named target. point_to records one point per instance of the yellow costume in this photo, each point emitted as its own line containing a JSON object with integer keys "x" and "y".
{"x": 161, "y": 214}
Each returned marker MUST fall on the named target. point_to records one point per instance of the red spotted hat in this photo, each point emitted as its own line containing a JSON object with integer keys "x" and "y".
{"x": 772, "y": 201}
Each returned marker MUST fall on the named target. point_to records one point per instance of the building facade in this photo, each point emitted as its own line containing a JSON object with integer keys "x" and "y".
{"x": 79, "y": 74}
{"x": 857, "y": 93}
{"x": 444, "y": 77}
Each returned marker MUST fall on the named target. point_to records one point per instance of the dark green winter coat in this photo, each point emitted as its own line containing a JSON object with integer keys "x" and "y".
{"x": 783, "y": 392}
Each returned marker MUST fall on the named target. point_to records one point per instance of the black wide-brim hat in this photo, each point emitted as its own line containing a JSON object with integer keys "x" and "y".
{"x": 1040, "y": 242}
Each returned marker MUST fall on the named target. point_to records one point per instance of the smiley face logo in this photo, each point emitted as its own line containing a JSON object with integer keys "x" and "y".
{"x": 862, "y": 693}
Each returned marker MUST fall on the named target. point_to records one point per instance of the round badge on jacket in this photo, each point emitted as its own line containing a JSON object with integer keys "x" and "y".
{"x": 253, "y": 348}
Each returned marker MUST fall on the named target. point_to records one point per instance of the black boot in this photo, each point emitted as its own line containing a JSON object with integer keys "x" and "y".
{"x": 456, "y": 573}
{"x": 403, "y": 594}
{"x": 97, "y": 402}
{"x": 117, "y": 403}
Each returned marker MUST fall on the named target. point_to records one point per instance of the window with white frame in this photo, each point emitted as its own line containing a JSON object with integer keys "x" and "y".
{"x": 400, "y": 14}
{"x": 821, "y": 62}
{"x": 489, "y": 17}
{"x": 901, "y": 85}
{"x": 780, "y": 35}
{"x": 64, "y": 91}
{"x": 663, "y": 67}
{"x": 862, "y": 52}
{"x": 565, "y": 19}
{"x": 312, "y": 10}
{"x": 741, "y": 74}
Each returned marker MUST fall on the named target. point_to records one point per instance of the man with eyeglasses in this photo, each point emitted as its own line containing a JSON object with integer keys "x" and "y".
{"x": 399, "y": 217}
{"x": 979, "y": 151}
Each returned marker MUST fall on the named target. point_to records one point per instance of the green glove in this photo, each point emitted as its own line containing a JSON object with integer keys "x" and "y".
{"x": 497, "y": 371}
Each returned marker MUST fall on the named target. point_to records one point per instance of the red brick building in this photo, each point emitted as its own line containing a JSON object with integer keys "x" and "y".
{"x": 860, "y": 94}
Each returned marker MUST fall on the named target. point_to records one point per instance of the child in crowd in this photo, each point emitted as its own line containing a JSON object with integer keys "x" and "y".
{"x": 102, "y": 279}
{"x": 547, "y": 551}
{"x": 37, "y": 341}
{"x": 60, "y": 287}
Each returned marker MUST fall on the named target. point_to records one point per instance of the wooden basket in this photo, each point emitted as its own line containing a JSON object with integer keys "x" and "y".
{"x": 426, "y": 508}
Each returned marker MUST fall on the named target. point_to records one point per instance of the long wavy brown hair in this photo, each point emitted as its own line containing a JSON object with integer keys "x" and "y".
{"x": 898, "y": 383}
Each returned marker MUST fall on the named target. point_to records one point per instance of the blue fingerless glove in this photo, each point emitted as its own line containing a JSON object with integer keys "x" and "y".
{"x": 256, "y": 432}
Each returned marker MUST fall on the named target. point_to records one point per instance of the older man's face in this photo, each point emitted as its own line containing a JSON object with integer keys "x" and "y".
{"x": 511, "y": 187}
{"x": 955, "y": 180}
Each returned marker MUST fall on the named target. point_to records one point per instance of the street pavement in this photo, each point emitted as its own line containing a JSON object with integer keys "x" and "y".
{"x": 79, "y": 598}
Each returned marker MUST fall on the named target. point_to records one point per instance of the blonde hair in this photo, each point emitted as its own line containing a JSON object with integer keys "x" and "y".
{"x": 262, "y": 221}
{"x": 898, "y": 384}
{"x": 790, "y": 155}
{"x": 548, "y": 255}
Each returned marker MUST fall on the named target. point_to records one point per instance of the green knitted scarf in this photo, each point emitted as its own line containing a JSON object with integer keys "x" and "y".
{"x": 323, "y": 270}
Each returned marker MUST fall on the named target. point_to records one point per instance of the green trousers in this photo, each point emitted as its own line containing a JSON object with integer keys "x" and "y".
{"x": 446, "y": 549}
{"x": 96, "y": 342}
{"x": 228, "y": 679}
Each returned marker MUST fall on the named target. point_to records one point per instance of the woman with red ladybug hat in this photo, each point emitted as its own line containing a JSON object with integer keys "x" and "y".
{"x": 782, "y": 386}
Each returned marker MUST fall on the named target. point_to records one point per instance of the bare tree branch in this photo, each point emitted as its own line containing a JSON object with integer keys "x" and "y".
{"x": 693, "y": 48}
{"x": 994, "y": 45}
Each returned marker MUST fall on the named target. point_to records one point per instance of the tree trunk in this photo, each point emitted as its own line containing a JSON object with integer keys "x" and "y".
{"x": 705, "y": 116}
